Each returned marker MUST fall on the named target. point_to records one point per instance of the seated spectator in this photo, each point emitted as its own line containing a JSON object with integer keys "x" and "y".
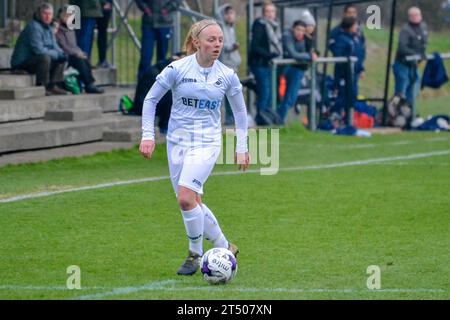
{"x": 294, "y": 47}
{"x": 78, "y": 59}
{"x": 37, "y": 52}
{"x": 345, "y": 46}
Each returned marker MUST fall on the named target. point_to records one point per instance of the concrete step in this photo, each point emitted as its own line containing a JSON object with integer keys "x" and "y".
{"x": 122, "y": 135}
{"x": 59, "y": 133}
{"x": 18, "y": 110}
{"x": 105, "y": 77}
{"x": 125, "y": 122}
{"x": 80, "y": 150}
{"x": 18, "y": 93}
{"x": 16, "y": 80}
{"x": 78, "y": 114}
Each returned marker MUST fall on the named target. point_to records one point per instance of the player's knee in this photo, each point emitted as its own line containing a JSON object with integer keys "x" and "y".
{"x": 186, "y": 201}
{"x": 186, "y": 204}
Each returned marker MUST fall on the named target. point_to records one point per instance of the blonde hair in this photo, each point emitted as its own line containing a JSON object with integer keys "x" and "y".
{"x": 194, "y": 33}
{"x": 266, "y": 4}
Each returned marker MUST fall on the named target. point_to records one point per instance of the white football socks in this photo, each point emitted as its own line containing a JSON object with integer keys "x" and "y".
{"x": 193, "y": 222}
{"x": 211, "y": 229}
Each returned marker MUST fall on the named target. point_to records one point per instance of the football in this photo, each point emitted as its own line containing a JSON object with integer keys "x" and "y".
{"x": 218, "y": 266}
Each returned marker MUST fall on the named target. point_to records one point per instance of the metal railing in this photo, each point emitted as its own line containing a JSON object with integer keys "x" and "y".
{"x": 313, "y": 73}
{"x": 418, "y": 57}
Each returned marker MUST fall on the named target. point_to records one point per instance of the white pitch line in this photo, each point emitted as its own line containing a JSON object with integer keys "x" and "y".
{"x": 158, "y": 285}
{"x": 300, "y": 168}
{"x": 167, "y": 285}
{"x": 162, "y": 286}
{"x": 46, "y": 288}
{"x": 294, "y": 290}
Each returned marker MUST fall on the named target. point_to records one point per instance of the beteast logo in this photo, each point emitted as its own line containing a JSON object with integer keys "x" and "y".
{"x": 201, "y": 103}
{"x": 198, "y": 183}
{"x": 218, "y": 83}
{"x": 184, "y": 80}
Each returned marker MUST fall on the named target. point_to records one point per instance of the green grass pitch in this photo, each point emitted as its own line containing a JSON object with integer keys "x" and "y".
{"x": 304, "y": 233}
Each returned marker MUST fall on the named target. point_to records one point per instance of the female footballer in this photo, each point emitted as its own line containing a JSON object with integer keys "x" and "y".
{"x": 199, "y": 83}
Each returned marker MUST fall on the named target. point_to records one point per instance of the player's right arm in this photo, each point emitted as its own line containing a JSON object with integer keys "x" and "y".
{"x": 163, "y": 83}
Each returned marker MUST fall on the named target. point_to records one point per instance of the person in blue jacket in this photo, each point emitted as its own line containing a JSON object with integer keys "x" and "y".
{"x": 345, "y": 46}
{"x": 360, "y": 42}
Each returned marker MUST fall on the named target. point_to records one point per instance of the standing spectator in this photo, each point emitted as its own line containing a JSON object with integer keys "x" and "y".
{"x": 77, "y": 58}
{"x": 360, "y": 44}
{"x": 157, "y": 23}
{"x": 90, "y": 11}
{"x": 37, "y": 52}
{"x": 265, "y": 46}
{"x": 230, "y": 52}
{"x": 345, "y": 46}
{"x": 102, "y": 36}
{"x": 294, "y": 46}
{"x": 413, "y": 40}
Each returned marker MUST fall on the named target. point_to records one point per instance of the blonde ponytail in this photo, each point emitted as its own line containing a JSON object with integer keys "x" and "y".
{"x": 194, "y": 33}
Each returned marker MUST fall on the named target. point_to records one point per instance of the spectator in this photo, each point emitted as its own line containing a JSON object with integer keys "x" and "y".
{"x": 102, "y": 35}
{"x": 77, "y": 58}
{"x": 412, "y": 40}
{"x": 156, "y": 26}
{"x": 90, "y": 11}
{"x": 310, "y": 32}
{"x": 265, "y": 46}
{"x": 446, "y": 7}
{"x": 37, "y": 52}
{"x": 345, "y": 46}
{"x": 230, "y": 52}
{"x": 360, "y": 43}
{"x": 294, "y": 46}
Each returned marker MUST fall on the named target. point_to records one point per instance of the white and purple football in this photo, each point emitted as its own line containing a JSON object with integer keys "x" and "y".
{"x": 219, "y": 266}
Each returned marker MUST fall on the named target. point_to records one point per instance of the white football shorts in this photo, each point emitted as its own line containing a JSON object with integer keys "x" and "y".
{"x": 190, "y": 166}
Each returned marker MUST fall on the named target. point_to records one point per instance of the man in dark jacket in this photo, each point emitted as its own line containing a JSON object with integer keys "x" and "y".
{"x": 413, "y": 40}
{"x": 265, "y": 46}
{"x": 37, "y": 52}
{"x": 157, "y": 23}
{"x": 345, "y": 46}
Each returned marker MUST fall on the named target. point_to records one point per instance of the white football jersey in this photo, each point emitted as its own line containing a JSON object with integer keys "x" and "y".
{"x": 197, "y": 95}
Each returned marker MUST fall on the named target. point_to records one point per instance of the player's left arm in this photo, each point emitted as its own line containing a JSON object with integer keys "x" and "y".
{"x": 237, "y": 103}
